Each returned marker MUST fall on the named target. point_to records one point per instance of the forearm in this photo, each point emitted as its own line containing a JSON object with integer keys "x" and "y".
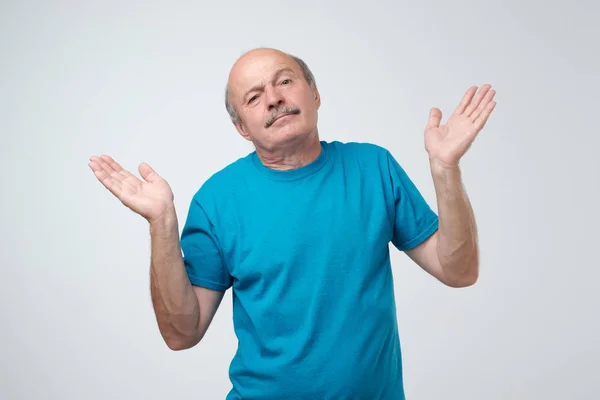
{"x": 457, "y": 246}
{"x": 175, "y": 303}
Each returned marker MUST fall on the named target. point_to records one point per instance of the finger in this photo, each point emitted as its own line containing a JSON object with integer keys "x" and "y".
{"x": 435, "y": 116}
{"x": 477, "y": 100}
{"x": 147, "y": 173}
{"x": 115, "y": 166}
{"x": 468, "y": 96}
{"x": 108, "y": 166}
{"x": 113, "y": 185}
{"x": 484, "y": 103}
{"x": 485, "y": 114}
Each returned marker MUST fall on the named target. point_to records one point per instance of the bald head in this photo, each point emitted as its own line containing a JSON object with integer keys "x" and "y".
{"x": 272, "y": 99}
{"x": 254, "y": 63}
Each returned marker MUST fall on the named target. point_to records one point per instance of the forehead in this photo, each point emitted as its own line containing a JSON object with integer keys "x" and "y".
{"x": 256, "y": 69}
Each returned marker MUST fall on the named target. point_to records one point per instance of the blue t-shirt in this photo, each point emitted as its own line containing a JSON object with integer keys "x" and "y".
{"x": 306, "y": 253}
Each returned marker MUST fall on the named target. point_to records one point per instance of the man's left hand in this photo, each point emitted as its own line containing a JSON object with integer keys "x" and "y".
{"x": 446, "y": 144}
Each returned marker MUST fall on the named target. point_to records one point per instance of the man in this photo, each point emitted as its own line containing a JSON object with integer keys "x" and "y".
{"x": 299, "y": 229}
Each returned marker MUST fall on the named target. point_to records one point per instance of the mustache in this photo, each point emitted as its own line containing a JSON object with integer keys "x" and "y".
{"x": 279, "y": 112}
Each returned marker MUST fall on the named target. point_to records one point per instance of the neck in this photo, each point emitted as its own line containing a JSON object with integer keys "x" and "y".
{"x": 292, "y": 156}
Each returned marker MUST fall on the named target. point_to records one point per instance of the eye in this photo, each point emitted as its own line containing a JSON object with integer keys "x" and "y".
{"x": 252, "y": 99}
{"x": 286, "y": 81}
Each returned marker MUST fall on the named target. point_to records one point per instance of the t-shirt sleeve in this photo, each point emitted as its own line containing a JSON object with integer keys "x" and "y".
{"x": 202, "y": 255}
{"x": 414, "y": 220}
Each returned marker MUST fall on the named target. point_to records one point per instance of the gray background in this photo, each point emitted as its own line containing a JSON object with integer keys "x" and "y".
{"x": 143, "y": 81}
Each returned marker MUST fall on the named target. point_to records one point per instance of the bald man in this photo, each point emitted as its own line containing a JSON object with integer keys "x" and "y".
{"x": 299, "y": 230}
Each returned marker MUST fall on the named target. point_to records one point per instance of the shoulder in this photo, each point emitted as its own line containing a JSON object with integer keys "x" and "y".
{"x": 367, "y": 153}
{"x": 221, "y": 184}
{"x": 357, "y": 147}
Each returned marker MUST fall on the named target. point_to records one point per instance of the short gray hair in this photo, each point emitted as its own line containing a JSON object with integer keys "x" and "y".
{"x": 308, "y": 76}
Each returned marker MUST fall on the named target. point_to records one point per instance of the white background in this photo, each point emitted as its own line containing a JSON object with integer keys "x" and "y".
{"x": 144, "y": 81}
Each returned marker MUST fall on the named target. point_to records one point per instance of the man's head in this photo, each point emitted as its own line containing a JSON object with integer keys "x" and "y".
{"x": 272, "y": 98}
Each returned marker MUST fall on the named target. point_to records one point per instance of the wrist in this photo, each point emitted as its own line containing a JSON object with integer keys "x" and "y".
{"x": 442, "y": 168}
{"x": 166, "y": 219}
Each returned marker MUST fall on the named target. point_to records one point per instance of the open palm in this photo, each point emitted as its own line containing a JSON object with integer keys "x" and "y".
{"x": 449, "y": 142}
{"x": 150, "y": 197}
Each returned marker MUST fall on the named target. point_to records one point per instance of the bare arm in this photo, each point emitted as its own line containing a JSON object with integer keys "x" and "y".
{"x": 183, "y": 312}
{"x": 451, "y": 254}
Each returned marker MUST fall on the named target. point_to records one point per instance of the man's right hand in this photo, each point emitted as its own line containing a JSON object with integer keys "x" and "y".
{"x": 151, "y": 197}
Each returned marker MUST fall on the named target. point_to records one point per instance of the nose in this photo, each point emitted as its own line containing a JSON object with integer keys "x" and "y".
{"x": 274, "y": 99}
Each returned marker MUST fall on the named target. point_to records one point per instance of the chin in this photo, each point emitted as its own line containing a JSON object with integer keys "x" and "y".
{"x": 294, "y": 131}
{"x": 288, "y": 135}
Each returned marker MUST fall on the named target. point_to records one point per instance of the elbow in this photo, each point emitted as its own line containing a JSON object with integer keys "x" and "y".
{"x": 462, "y": 282}
{"x": 179, "y": 345}
{"x": 179, "y": 342}
{"x": 466, "y": 278}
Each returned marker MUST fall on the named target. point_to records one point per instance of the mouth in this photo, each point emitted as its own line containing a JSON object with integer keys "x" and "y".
{"x": 282, "y": 115}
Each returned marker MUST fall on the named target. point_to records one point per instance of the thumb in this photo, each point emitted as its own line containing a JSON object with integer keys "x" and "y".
{"x": 147, "y": 172}
{"x": 435, "y": 116}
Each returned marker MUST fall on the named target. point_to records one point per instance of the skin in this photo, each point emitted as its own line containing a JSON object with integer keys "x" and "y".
{"x": 452, "y": 254}
{"x": 264, "y": 84}
{"x": 183, "y": 311}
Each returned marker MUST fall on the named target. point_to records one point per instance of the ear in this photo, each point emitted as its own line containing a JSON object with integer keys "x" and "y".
{"x": 239, "y": 126}
{"x": 316, "y": 96}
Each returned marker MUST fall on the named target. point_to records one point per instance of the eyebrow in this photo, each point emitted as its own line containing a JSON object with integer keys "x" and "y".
{"x": 260, "y": 86}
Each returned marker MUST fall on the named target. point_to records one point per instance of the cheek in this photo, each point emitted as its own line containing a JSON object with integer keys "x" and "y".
{"x": 312, "y": 105}
{"x": 255, "y": 120}
{"x": 311, "y": 113}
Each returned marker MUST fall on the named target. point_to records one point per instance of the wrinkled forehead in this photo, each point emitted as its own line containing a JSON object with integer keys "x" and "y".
{"x": 257, "y": 70}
